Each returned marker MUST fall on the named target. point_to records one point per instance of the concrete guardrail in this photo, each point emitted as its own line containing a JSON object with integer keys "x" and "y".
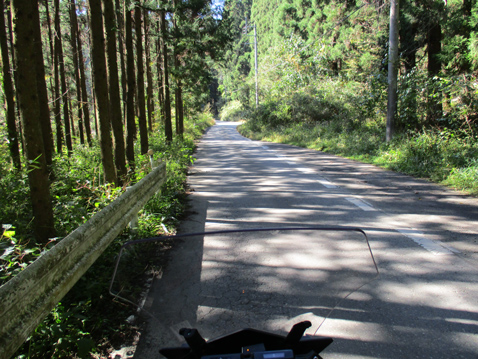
{"x": 31, "y": 295}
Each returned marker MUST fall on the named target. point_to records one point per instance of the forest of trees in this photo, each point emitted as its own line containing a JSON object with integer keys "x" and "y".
{"x": 80, "y": 73}
{"x": 303, "y": 42}
{"x": 323, "y": 81}
{"x": 89, "y": 86}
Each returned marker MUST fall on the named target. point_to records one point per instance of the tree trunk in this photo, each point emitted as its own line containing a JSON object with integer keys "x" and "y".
{"x": 13, "y": 144}
{"x": 70, "y": 115}
{"x": 168, "y": 128}
{"x": 178, "y": 95}
{"x": 149, "y": 75}
{"x": 50, "y": 43}
{"x": 12, "y": 50}
{"x": 45, "y": 121}
{"x": 143, "y": 129}
{"x": 74, "y": 46}
{"x": 57, "y": 103}
{"x": 115, "y": 99}
{"x": 25, "y": 21}
{"x": 84, "y": 94}
{"x": 64, "y": 90}
{"x": 121, "y": 50}
{"x": 159, "y": 74}
{"x": 101, "y": 88}
{"x": 392, "y": 69}
{"x": 130, "y": 113}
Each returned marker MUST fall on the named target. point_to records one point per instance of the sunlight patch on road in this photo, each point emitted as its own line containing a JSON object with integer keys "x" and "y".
{"x": 353, "y": 330}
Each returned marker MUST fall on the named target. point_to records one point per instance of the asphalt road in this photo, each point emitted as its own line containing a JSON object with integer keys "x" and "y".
{"x": 424, "y": 238}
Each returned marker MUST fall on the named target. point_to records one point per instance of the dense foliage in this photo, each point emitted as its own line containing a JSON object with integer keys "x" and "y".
{"x": 323, "y": 82}
{"x": 88, "y": 320}
{"x": 89, "y": 88}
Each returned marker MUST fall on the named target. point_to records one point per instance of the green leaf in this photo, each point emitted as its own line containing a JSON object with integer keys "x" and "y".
{"x": 9, "y": 234}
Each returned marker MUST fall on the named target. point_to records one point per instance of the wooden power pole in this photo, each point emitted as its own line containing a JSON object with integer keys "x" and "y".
{"x": 392, "y": 69}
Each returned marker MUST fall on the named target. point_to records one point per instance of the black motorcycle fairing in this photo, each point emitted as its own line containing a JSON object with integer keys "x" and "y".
{"x": 234, "y": 343}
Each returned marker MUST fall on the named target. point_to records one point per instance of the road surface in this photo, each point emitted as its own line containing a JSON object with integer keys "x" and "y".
{"x": 424, "y": 238}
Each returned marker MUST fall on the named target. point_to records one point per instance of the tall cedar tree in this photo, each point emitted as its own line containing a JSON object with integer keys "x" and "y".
{"x": 178, "y": 91}
{"x": 100, "y": 79}
{"x": 115, "y": 99}
{"x": 149, "y": 74}
{"x": 76, "y": 68}
{"x": 159, "y": 70}
{"x": 84, "y": 94}
{"x": 168, "y": 128}
{"x": 143, "y": 129}
{"x": 45, "y": 122}
{"x": 27, "y": 25}
{"x": 130, "y": 110}
{"x": 56, "y": 96}
{"x": 62, "y": 73}
{"x": 121, "y": 52}
{"x": 13, "y": 143}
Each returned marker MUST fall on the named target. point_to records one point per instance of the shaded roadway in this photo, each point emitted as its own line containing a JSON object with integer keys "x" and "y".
{"x": 424, "y": 238}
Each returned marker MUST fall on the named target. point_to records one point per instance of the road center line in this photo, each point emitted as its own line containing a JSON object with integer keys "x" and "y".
{"x": 306, "y": 170}
{"x": 326, "y": 183}
{"x": 428, "y": 244}
{"x": 361, "y": 204}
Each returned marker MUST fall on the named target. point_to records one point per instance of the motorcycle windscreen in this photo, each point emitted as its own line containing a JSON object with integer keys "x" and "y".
{"x": 267, "y": 279}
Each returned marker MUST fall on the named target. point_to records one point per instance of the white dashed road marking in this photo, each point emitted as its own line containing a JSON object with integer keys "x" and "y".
{"x": 430, "y": 245}
{"x": 418, "y": 237}
{"x": 361, "y": 204}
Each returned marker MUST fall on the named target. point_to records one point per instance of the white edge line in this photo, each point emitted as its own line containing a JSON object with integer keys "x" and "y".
{"x": 428, "y": 244}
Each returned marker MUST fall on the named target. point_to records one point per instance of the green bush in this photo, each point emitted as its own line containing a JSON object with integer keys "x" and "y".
{"x": 88, "y": 320}
{"x": 432, "y": 154}
{"x": 465, "y": 178}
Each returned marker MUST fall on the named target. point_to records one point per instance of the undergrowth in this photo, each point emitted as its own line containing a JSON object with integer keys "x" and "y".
{"x": 88, "y": 322}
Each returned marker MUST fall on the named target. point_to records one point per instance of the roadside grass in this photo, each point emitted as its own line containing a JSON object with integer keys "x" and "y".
{"x": 88, "y": 322}
{"x": 439, "y": 156}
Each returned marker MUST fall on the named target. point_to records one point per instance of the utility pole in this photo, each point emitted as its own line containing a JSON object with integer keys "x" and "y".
{"x": 255, "y": 59}
{"x": 255, "y": 64}
{"x": 392, "y": 69}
